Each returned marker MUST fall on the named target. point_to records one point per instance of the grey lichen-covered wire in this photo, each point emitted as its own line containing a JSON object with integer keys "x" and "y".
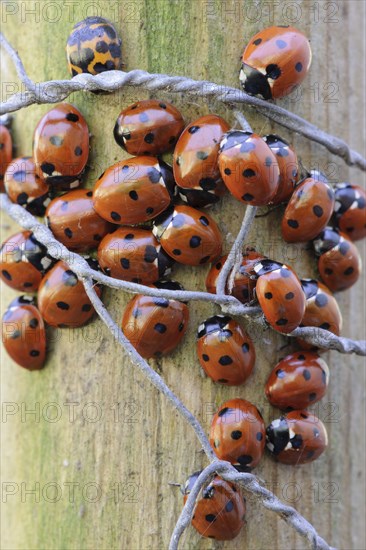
{"x": 225, "y": 469}
{"x": 111, "y": 81}
{"x": 228, "y": 304}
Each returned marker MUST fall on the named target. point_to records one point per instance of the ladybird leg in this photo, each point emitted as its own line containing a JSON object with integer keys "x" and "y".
{"x": 269, "y": 209}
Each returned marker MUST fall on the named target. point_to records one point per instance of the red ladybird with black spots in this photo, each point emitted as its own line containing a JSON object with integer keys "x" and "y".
{"x": 297, "y": 381}
{"x": 133, "y": 254}
{"x": 248, "y": 168}
{"x": 6, "y": 153}
{"x": 62, "y": 299}
{"x": 134, "y": 190}
{"x": 219, "y": 513}
{"x": 23, "y": 262}
{"x": 280, "y": 295}
{"x": 61, "y": 147}
{"x": 74, "y": 222}
{"x": 23, "y": 333}
{"x": 321, "y": 310}
{"x": 155, "y": 325}
{"x": 275, "y": 61}
{"x": 188, "y": 236}
{"x": 148, "y": 127}
{"x": 244, "y": 283}
{"x": 339, "y": 261}
{"x": 226, "y": 353}
{"x": 237, "y": 434}
{"x": 308, "y": 211}
{"x": 350, "y": 210}
{"x": 195, "y": 161}
{"x": 93, "y": 47}
{"x": 297, "y": 438}
{"x": 25, "y": 187}
{"x": 288, "y": 165}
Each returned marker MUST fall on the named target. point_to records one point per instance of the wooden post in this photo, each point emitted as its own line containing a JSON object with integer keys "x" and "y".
{"x": 88, "y": 446}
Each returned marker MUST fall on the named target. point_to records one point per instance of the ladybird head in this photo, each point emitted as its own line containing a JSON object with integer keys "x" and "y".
{"x": 266, "y": 266}
{"x": 189, "y": 484}
{"x": 278, "y": 435}
{"x": 310, "y": 287}
{"x": 217, "y": 323}
{"x": 326, "y": 240}
{"x": 22, "y": 301}
{"x": 275, "y": 142}
{"x": 162, "y": 222}
{"x": 254, "y": 82}
{"x": 234, "y": 138}
{"x": 197, "y": 198}
{"x": 165, "y": 263}
{"x": 168, "y": 178}
{"x": 317, "y": 175}
{"x": 35, "y": 253}
{"x": 346, "y": 197}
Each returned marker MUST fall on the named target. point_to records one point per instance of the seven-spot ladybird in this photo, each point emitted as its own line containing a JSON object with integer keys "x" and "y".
{"x": 62, "y": 299}
{"x": 308, "y": 211}
{"x": 25, "y": 187}
{"x": 23, "y": 261}
{"x": 133, "y": 254}
{"x": 237, "y": 434}
{"x": 74, "y": 222}
{"x": 280, "y": 295}
{"x": 220, "y": 513}
{"x": 339, "y": 261}
{"x": 296, "y": 438}
{"x": 226, "y": 353}
{"x": 188, "y": 236}
{"x": 275, "y": 61}
{"x": 134, "y": 190}
{"x": 297, "y": 381}
{"x": 24, "y": 335}
{"x": 248, "y": 167}
{"x": 93, "y": 47}
{"x": 155, "y": 326}
{"x": 195, "y": 161}
{"x": 61, "y": 147}
{"x": 148, "y": 127}
{"x": 350, "y": 210}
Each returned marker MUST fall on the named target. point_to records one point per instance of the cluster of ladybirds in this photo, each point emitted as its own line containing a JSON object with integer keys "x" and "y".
{"x": 142, "y": 216}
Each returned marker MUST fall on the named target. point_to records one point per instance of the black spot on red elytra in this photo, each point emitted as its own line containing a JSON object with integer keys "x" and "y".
{"x": 63, "y": 305}
{"x": 225, "y": 360}
{"x": 160, "y": 327}
{"x": 318, "y": 211}
{"x": 293, "y": 223}
{"x": 306, "y": 374}
{"x": 195, "y": 241}
{"x": 115, "y": 216}
{"x": 149, "y": 138}
{"x": 72, "y": 117}
{"x": 298, "y": 67}
{"x": 193, "y": 129}
{"x": 236, "y": 434}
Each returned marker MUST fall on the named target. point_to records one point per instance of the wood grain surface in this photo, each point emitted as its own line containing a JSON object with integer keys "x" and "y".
{"x": 102, "y": 445}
